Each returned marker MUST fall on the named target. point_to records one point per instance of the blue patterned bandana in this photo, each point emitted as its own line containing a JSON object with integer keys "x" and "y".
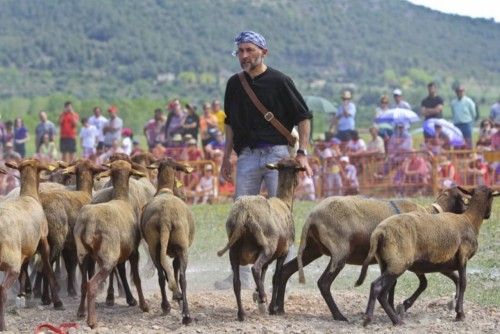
{"x": 251, "y": 37}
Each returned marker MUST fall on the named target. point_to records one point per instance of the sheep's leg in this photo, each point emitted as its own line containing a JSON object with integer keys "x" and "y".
{"x": 9, "y": 279}
{"x": 70, "y": 260}
{"x": 409, "y": 302}
{"x": 276, "y": 277}
{"x": 45, "y": 291}
{"x": 47, "y": 269}
{"x": 92, "y": 288}
{"x": 263, "y": 279}
{"x": 183, "y": 259}
{"x": 384, "y": 300}
{"x": 392, "y": 291}
{"x": 375, "y": 289}
{"x": 110, "y": 294}
{"x": 277, "y": 306}
{"x": 261, "y": 261}
{"x": 176, "y": 295}
{"x": 134, "y": 264}
{"x": 23, "y": 280}
{"x": 454, "y": 278}
{"x": 235, "y": 266}
{"x": 165, "y": 305}
{"x": 324, "y": 284}
{"x": 462, "y": 283}
{"x": 84, "y": 269}
{"x": 126, "y": 287}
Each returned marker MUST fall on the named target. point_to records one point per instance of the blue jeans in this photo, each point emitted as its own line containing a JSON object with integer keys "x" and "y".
{"x": 251, "y": 170}
{"x": 466, "y": 129}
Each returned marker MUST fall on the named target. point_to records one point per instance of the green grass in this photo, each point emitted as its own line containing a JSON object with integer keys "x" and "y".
{"x": 483, "y": 272}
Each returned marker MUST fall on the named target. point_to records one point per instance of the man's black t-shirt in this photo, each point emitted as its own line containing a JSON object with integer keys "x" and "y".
{"x": 432, "y": 102}
{"x": 277, "y": 93}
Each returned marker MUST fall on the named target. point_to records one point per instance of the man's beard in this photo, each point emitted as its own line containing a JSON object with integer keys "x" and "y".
{"x": 251, "y": 65}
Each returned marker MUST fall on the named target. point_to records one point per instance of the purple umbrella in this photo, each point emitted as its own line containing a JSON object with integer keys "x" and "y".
{"x": 454, "y": 133}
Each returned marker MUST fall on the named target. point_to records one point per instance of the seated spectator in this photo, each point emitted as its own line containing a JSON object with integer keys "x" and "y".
{"x": 9, "y": 154}
{"x": 447, "y": 173}
{"x": 47, "y": 150}
{"x": 208, "y": 124}
{"x": 415, "y": 171}
{"x": 400, "y": 142}
{"x": 159, "y": 151}
{"x": 305, "y": 190}
{"x": 191, "y": 152}
{"x": 439, "y": 142}
{"x": 9, "y": 181}
{"x": 154, "y": 130}
{"x": 376, "y": 144}
{"x": 127, "y": 138}
{"x": 173, "y": 125}
{"x": 332, "y": 184}
{"x": 205, "y": 189}
{"x": 355, "y": 146}
{"x": 136, "y": 148}
{"x": 477, "y": 171}
{"x": 321, "y": 149}
{"x": 175, "y": 147}
{"x": 384, "y": 129}
{"x": 115, "y": 148}
{"x": 349, "y": 176}
{"x": 216, "y": 145}
{"x": 226, "y": 188}
{"x": 191, "y": 123}
{"x": 486, "y": 132}
{"x": 495, "y": 138}
{"x": 88, "y": 138}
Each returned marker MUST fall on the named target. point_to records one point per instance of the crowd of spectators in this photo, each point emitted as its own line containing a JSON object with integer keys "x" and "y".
{"x": 338, "y": 159}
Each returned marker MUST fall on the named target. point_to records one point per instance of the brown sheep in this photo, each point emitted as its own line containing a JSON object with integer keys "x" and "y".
{"x": 167, "y": 226}
{"x": 261, "y": 230}
{"x": 340, "y": 228}
{"x": 109, "y": 234}
{"x": 23, "y": 231}
{"x": 424, "y": 243}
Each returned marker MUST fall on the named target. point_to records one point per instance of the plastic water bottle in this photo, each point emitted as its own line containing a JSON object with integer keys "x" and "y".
{"x": 20, "y": 302}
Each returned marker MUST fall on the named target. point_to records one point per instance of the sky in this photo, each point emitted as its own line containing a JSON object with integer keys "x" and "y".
{"x": 473, "y": 8}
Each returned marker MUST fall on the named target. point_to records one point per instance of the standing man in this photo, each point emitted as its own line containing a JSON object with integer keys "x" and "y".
{"x": 255, "y": 140}
{"x": 463, "y": 111}
{"x": 99, "y": 121}
{"x": 431, "y": 107}
{"x": 344, "y": 119}
{"x": 397, "y": 94}
{"x": 495, "y": 112}
{"x": 44, "y": 127}
{"x": 113, "y": 128}
{"x": 68, "y": 121}
{"x": 154, "y": 130}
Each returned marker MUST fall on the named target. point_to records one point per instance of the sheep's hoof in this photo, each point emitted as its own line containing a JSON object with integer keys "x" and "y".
{"x": 401, "y": 310}
{"x": 165, "y": 308}
{"x": 262, "y": 308}
{"x": 255, "y": 296}
{"x": 72, "y": 293}
{"x": 58, "y": 306}
{"x": 399, "y": 323}
{"x": 186, "y": 320}
{"x": 144, "y": 307}
{"x": 80, "y": 314}
{"x": 110, "y": 301}
{"x": 366, "y": 321}
{"x": 37, "y": 293}
{"x": 132, "y": 302}
{"x": 340, "y": 317}
{"x": 460, "y": 316}
{"x": 451, "y": 304}
{"x": 46, "y": 301}
{"x": 241, "y": 316}
{"x": 92, "y": 324}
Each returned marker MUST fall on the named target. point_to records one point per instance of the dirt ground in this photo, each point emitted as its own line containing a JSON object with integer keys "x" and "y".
{"x": 215, "y": 312}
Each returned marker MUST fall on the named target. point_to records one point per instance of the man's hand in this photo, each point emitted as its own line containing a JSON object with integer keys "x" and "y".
{"x": 302, "y": 159}
{"x": 226, "y": 169}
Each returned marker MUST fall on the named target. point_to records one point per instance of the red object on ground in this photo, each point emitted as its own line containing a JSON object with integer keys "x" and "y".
{"x": 62, "y": 329}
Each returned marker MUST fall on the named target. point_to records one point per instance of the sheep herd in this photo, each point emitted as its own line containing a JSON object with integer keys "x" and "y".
{"x": 99, "y": 230}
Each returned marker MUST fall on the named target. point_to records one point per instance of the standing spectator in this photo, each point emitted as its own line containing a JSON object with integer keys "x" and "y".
{"x": 88, "y": 138}
{"x": 447, "y": 173}
{"x": 416, "y": 174}
{"x": 45, "y": 126}
{"x": 68, "y": 122}
{"x": 486, "y": 132}
{"x": 154, "y": 130}
{"x": 2, "y": 138}
{"x": 21, "y": 136}
{"x": 128, "y": 136}
{"x": 344, "y": 119}
{"x": 385, "y": 129}
{"x": 113, "y": 128}
{"x": 191, "y": 123}
{"x": 174, "y": 122}
{"x": 219, "y": 114}
{"x": 305, "y": 190}
{"x": 495, "y": 112}
{"x": 208, "y": 125}
{"x": 48, "y": 150}
{"x": 136, "y": 148}
{"x": 9, "y": 132}
{"x": 349, "y": 176}
{"x": 398, "y": 100}
{"x": 477, "y": 171}
{"x": 99, "y": 121}
{"x": 191, "y": 152}
{"x": 431, "y": 107}
{"x": 463, "y": 110}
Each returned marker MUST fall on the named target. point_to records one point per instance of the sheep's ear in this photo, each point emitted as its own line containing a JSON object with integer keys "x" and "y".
{"x": 271, "y": 166}
{"x": 2, "y": 171}
{"x": 106, "y": 173}
{"x": 44, "y": 177}
{"x": 62, "y": 164}
{"x": 154, "y": 165}
{"x": 106, "y": 165}
{"x": 134, "y": 172}
{"x": 11, "y": 164}
{"x": 186, "y": 169}
{"x": 495, "y": 193}
{"x": 465, "y": 191}
{"x": 69, "y": 170}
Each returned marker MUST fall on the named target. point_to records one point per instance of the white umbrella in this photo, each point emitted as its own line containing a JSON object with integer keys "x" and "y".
{"x": 397, "y": 115}
{"x": 454, "y": 133}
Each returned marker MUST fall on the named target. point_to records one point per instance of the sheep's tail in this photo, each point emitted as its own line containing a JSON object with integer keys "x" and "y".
{"x": 237, "y": 233}
{"x": 375, "y": 240}
{"x": 166, "y": 265}
{"x": 302, "y": 246}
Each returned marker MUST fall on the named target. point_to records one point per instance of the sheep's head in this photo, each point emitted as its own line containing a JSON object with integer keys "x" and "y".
{"x": 119, "y": 167}
{"x": 30, "y": 167}
{"x": 144, "y": 159}
{"x": 163, "y": 164}
{"x": 455, "y": 199}
{"x": 483, "y": 195}
{"x": 119, "y": 156}
{"x": 81, "y": 167}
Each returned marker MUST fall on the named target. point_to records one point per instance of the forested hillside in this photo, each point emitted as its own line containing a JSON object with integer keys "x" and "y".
{"x": 159, "y": 48}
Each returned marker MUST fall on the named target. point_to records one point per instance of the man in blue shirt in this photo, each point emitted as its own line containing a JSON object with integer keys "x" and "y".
{"x": 344, "y": 118}
{"x": 463, "y": 111}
